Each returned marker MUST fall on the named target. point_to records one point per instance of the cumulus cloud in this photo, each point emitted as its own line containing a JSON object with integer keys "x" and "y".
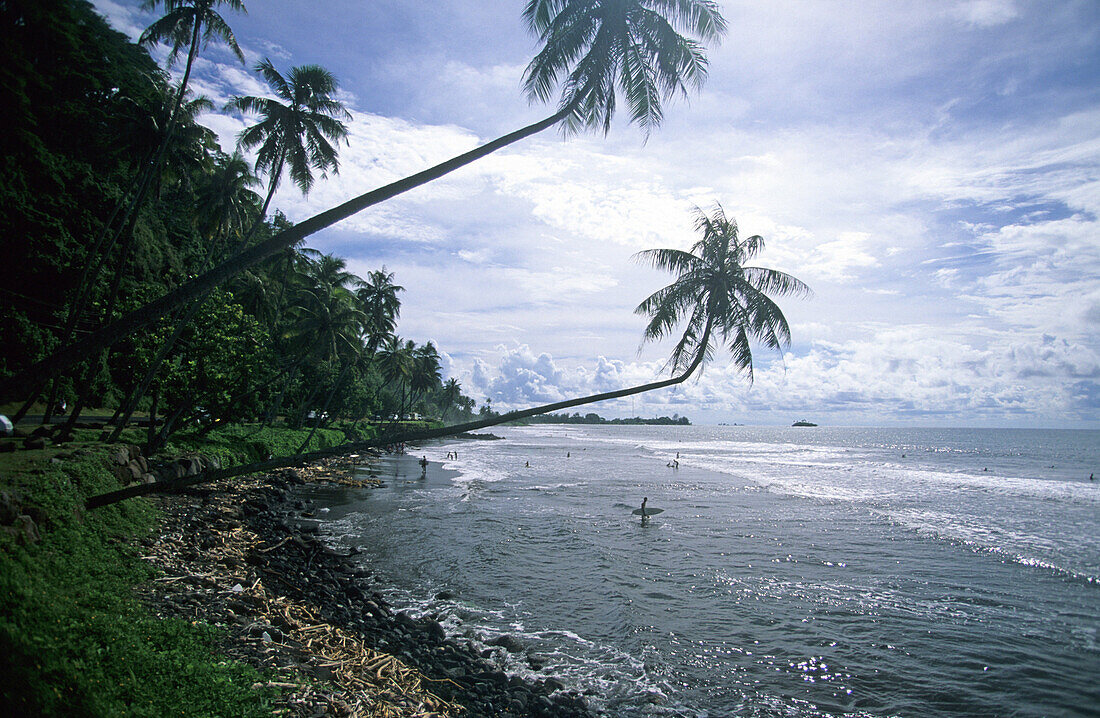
{"x": 930, "y": 171}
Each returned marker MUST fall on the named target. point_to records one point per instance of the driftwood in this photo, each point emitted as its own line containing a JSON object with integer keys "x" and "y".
{"x": 319, "y": 666}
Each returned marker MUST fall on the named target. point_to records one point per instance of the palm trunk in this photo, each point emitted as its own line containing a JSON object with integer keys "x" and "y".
{"x": 328, "y": 400}
{"x": 295, "y": 459}
{"x": 154, "y": 366}
{"x": 141, "y": 182}
{"x": 152, "y": 432}
{"x": 251, "y": 256}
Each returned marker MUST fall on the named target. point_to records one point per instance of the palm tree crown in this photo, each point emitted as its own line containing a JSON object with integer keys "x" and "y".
{"x": 186, "y": 22}
{"x": 598, "y": 48}
{"x": 379, "y": 301}
{"x": 725, "y": 302}
{"x": 297, "y": 128}
{"x": 226, "y": 199}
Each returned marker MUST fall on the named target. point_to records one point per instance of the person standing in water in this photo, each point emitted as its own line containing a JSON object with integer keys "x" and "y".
{"x": 644, "y": 514}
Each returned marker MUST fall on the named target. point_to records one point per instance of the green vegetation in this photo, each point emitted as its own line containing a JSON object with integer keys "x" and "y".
{"x": 595, "y": 52}
{"x": 118, "y": 194}
{"x": 75, "y": 639}
{"x": 153, "y": 280}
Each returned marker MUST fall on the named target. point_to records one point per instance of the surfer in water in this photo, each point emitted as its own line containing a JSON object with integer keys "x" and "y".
{"x": 424, "y": 467}
{"x": 644, "y": 514}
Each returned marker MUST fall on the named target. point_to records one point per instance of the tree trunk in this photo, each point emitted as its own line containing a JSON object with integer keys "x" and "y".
{"x": 249, "y": 257}
{"x": 328, "y": 400}
{"x": 295, "y": 459}
{"x": 155, "y": 364}
{"x": 152, "y": 432}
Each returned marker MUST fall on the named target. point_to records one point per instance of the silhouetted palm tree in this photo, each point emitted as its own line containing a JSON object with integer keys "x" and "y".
{"x": 720, "y": 300}
{"x": 226, "y": 201}
{"x": 451, "y": 392}
{"x": 379, "y": 301}
{"x": 596, "y": 49}
{"x": 296, "y": 130}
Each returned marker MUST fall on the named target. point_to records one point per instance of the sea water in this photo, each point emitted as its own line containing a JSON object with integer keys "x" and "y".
{"x": 794, "y": 571}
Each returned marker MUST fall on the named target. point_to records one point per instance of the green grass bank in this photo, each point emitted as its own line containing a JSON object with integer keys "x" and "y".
{"x": 74, "y": 640}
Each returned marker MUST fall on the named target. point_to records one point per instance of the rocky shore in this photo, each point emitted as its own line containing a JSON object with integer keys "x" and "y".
{"x": 243, "y": 555}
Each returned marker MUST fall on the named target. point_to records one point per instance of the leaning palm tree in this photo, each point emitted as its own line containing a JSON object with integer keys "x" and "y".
{"x": 645, "y": 51}
{"x": 716, "y": 297}
{"x": 297, "y": 129}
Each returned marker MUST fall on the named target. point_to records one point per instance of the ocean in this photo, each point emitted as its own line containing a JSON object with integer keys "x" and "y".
{"x": 793, "y": 572}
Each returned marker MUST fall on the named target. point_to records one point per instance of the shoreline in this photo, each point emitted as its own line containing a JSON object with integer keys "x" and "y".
{"x": 245, "y": 556}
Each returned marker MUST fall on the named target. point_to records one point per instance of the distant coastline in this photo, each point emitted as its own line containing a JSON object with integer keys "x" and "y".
{"x": 591, "y": 418}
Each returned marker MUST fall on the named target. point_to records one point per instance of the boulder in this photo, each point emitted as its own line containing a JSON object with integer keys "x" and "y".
{"x": 507, "y": 642}
{"x": 9, "y": 508}
{"x": 25, "y": 530}
{"x": 190, "y": 464}
{"x": 35, "y": 443}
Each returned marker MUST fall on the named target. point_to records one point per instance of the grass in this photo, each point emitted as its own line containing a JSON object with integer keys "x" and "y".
{"x": 74, "y": 640}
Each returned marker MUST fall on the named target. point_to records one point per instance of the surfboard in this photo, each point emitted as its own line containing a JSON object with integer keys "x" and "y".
{"x": 648, "y": 511}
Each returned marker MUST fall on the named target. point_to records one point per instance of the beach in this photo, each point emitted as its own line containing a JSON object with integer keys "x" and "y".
{"x": 795, "y": 571}
{"x": 244, "y": 556}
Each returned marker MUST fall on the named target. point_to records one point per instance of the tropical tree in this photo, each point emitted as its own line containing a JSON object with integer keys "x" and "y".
{"x": 298, "y": 132}
{"x": 379, "y": 301}
{"x": 227, "y": 205}
{"x": 450, "y": 396}
{"x": 326, "y": 319}
{"x": 425, "y": 375}
{"x": 191, "y": 24}
{"x": 717, "y": 298}
{"x": 395, "y": 361}
{"x": 595, "y": 50}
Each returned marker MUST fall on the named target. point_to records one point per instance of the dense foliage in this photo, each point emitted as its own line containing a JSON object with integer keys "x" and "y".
{"x": 112, "y": 193}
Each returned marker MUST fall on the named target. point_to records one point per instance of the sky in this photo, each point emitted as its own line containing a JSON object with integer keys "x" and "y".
{"x": 931, "y": 170}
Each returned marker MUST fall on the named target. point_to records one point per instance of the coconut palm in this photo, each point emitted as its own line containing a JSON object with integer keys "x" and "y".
{"x": 379, "y": 301}
{"x": 425, "y": 372}
{"x": 719, "y": 300}
{"x": 296, "y": 130}
{"x": 644, "y": 50}
{"x": 724, "y": 301}
{"x": 395, "y": 360}
{"x": 451, "y": 392}
{"x": 226, "y": 200}
{"x": 191, "y": 24}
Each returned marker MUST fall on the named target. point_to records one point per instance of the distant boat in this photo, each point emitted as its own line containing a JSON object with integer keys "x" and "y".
{"x": 803, "y": 423}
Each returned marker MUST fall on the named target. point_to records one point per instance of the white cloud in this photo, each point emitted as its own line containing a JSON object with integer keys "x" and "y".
{"x": 929, "y": 170}
{"x": 987, "y": 13}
